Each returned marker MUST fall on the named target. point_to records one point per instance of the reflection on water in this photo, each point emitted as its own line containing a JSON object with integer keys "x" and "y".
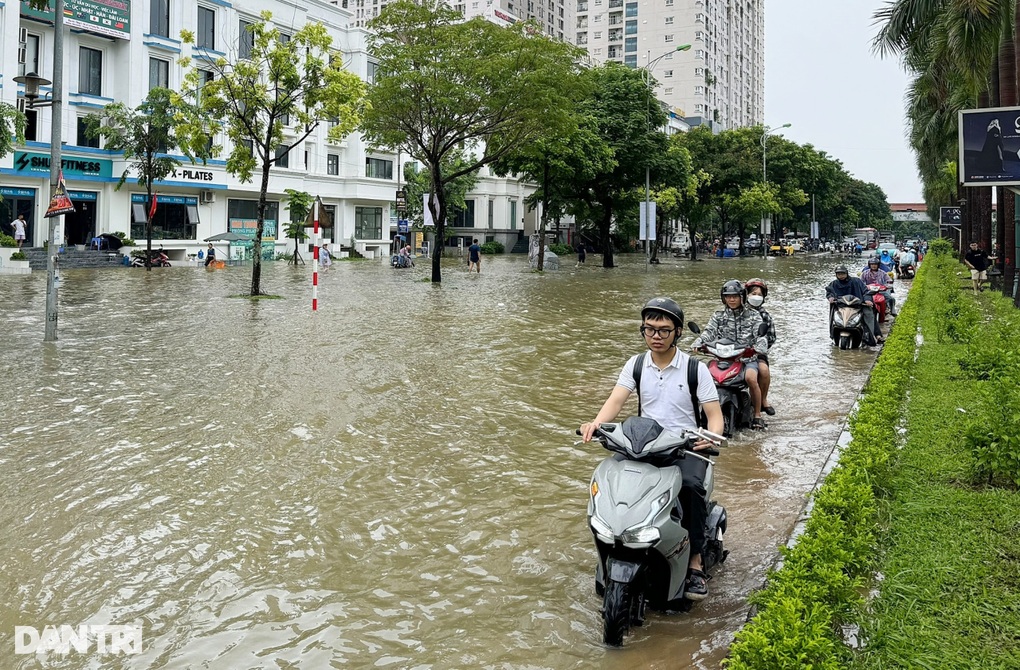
{"x": 391, "y": 482}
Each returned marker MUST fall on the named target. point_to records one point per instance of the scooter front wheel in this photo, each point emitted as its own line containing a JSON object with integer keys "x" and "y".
{"x": 844, "y": 341}
{"x": 615, "y": 613}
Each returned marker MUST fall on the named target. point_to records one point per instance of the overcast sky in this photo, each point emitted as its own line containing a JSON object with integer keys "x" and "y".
{"x": 821, "y": 76}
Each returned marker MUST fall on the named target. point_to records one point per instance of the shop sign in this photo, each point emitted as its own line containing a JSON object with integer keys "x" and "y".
{"x": 166, "y": 199}
{"x": 248, "y": 228}
{"x": 17, "y": 192}
{"x": 38, "y": 165}
{"x": 82, "y": 196}
{"x": 103, "y": 17}
{"x": 192, "y": 174}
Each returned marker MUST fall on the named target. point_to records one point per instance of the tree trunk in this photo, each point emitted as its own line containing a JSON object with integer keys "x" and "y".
{"x": 438, "y": 210}
{"x": 256, "y": 265}
{"x": 605, "y": 238}
{"x": 543, "y": 219}
{"x": 148, "y": 226}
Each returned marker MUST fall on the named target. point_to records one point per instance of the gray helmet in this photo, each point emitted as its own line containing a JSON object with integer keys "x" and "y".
{"x": 874, "y": 259}
{"x": 733, "y": 287}
{"x": 666, "y": 306}
{"x": 841, "y": 269}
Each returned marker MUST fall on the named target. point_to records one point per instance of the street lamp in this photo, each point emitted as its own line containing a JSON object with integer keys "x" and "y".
{"x": 32, "y": 82}
{"x": 649, "y": 219}
{"x": 764, "y": 179}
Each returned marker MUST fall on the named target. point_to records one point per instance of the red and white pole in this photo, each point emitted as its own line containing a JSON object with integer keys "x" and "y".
{"x": 315, "y": 256}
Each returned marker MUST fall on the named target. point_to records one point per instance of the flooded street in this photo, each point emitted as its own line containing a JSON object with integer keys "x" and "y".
{"x": 390, "y": 483}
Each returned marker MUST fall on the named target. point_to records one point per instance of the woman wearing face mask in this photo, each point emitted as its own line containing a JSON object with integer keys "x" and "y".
{"x": 757, "y": 291}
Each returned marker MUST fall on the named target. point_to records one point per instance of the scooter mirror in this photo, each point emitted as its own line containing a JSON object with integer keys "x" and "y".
{"x": 693, "y": 327}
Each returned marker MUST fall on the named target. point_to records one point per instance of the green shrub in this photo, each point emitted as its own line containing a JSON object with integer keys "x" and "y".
{"x": 19, "y": 256}
{"x": 493, "y": 248}
{"x": 124, "y": 239}
{"x": 940, "y": 247}
{"x": 560, "y": 249}
{"x": 7, "y": 241}
{"x": 285, "y": 257}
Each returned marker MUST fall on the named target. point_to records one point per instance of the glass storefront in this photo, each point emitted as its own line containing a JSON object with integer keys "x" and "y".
{"x": 176, "y": 217}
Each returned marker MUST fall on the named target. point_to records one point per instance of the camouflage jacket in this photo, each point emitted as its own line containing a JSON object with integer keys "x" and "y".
{"x": 740, "y": 326}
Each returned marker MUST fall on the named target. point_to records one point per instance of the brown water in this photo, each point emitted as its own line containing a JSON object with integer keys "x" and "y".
{"x": 389, "y": 483}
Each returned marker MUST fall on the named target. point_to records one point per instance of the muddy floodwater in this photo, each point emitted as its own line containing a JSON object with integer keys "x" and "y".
{"x": 392, "y": 482}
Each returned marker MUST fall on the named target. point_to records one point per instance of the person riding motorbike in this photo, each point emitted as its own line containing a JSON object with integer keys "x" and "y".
{"x": 873, "y": 274}
{"x": 665, "y": 394}
{"x": 757, "y": 291}
{"x": 907, "y": 260}
{"x": 885, "y": 261}
{"x": 739, "y": 322}
{"x": 843, "y": 285}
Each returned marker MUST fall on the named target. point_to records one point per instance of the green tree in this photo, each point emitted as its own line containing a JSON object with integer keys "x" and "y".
{"x": 300, "y": 204}
{"x": 627, "y": 117}
{"x": 418, "y": 184}
{"x": 445, "y": 85}
{"x": 269, "y": 101}
{"x": 554, "y": 162}
{"x": 146, "y": 136}
{"x": 12, "y": 128}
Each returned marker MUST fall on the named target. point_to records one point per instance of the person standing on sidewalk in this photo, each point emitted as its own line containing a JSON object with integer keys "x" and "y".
{"x": 977, "y": 260}
{"x": 19, "y": 229}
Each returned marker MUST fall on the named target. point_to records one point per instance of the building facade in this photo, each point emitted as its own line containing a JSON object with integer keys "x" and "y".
{"x": 720, "y": 81}
{"x": 356, "y": 182}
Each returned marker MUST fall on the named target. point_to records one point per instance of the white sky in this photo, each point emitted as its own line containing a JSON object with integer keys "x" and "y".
{"x": 822, "y": 76}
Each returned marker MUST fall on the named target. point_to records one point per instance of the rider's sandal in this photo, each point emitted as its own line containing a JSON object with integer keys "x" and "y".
{"x": 757, "y": 423}
{"x": 770, "y": 410}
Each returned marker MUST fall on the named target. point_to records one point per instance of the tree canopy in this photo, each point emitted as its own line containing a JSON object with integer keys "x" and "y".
{"x": 445, "y": 85}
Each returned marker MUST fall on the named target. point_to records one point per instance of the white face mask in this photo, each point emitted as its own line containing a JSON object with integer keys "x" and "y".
{"x": 755, "y": 300}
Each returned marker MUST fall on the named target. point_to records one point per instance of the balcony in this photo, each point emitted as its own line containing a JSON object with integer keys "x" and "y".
{"x": 615, "y": 4}
{"x": 616, "y": 35}
{"x": 582, "y": 7}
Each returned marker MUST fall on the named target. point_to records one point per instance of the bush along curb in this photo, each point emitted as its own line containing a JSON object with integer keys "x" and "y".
{"x": 817, "y": 590}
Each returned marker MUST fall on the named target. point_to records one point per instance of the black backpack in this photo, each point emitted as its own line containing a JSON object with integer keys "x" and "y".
{"x": 692, "y": 383}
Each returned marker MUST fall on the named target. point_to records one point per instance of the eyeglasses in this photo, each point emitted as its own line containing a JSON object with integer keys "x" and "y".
{"x": 648, "y": 331}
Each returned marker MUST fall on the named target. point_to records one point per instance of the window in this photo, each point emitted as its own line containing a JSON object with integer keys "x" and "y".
{"x": 176, "y": 217}
{"x": 159, "y": 17}
{"x": 630, "y": 44}
{"x": 332, "y": 164}
{"x": 699, "y": 35}
{"x": 699, "y": 90}
{"x": 669, "y": 3}
{"x": 598, "y": 34}
{"x": 245, "y": 39}
{"x": 378, "y": 168}
{"x": 513, "y": 215}
{"x": 699, "y": 72}
{"x": 492, "y": 204}
{"x": 370, "y": 75}
{"x": 700, "y": 53}
{"x": 206, "y": 37}
{"x": 466, "y": 218}
{"x": 368, "y": 223}
{"x": 630, "y": 60}
{"x": 83, "y": 139}
{"x": 669, "y": 20}
{"x": 31, "y": 63}
{"x": 668, "y": 91}
{"x": 631, "y": 9}
{"x": 204, "y": 77}
{"x": 159, "y": 73}
{"x": 90, "y": 71}
{"x": 667, "y": 74}
{"x": 31, "y": 124}
{"x": 282, "y": 156}
{"x": 631, "y": 28}
{"x": 669, "y": 38}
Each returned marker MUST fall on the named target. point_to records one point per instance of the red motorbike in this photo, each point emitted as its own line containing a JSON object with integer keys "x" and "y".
{"x": 875, "y": 291}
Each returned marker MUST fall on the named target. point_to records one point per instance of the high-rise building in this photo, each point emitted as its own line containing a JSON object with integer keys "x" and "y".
{"x": 555, "y": 16}
{"x": 719, "y": 81}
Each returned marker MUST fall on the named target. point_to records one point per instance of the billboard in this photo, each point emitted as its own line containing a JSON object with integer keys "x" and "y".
{"x": 989, "y": 141}
{"x": 103, "y": 17}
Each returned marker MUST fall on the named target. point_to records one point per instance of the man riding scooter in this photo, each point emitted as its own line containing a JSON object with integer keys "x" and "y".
{"x": 873, "y": 274}
{"x": 843, "y": 285}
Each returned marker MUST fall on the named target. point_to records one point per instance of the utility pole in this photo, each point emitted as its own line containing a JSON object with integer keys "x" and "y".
{"x": 56, "y": 119}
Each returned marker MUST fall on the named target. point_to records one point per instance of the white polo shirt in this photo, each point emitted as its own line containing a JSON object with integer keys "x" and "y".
{"x": 664, "y": 393}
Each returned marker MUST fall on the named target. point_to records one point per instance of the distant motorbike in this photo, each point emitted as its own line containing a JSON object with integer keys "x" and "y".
{"x": 634, "y": 516}
{"x": 907, "y": 271}
{"x": 846, "y": 322}
{"x": 398, "y": 261}
{"x": 158, "y": 259}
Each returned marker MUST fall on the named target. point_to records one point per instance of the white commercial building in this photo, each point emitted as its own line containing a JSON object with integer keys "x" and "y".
{"x": 121, "y": 50}
{"x": 720, "y": 81}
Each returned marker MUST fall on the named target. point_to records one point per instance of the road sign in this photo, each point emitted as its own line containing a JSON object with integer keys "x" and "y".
{"x": 402, "y": 226}
{"x": 401, "y": 199}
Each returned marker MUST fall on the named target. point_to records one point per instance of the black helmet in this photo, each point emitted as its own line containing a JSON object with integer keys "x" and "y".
{"x": 760, "y": 283}
{"x": 666, "y": 306}
{"x": 733, "y": 287}
{"x": 874, "y": 259}
{"x": 841, "y": 269}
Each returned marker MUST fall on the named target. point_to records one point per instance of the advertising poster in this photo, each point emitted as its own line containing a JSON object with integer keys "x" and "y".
{"x": 990, "y": 147}
{"x": 111, "y": 18}
{"x": 247, "y": 229}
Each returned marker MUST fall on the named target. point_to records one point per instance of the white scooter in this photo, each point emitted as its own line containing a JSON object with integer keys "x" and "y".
{"x": 634, "y": 516}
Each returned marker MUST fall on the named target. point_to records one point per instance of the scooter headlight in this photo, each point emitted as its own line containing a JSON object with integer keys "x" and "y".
{"x": 855, "y": 319}
{"x": 837, "y": 319}
{"x": 645, "y": 535}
